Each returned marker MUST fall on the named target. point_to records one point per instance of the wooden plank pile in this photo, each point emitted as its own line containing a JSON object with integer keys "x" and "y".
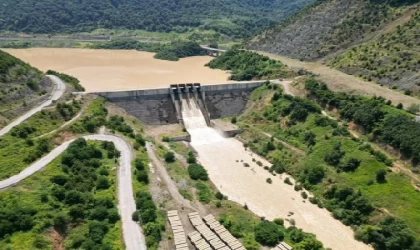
{"x": 179, "y": 235}
{"x": 207, "y": 234}
{"x": 224, "y": 234}
{"x": 198, "y": 241}
{"x": 282, "y": 246}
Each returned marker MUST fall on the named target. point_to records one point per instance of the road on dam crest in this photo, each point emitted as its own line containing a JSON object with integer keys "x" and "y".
{"x": 58, "y": 91}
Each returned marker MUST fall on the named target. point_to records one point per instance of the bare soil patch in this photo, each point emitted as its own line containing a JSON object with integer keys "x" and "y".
{"x": 342, "y": 82}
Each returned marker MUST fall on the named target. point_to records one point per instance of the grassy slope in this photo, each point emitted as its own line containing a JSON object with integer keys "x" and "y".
{"x": 326, "y": 27}
{"x": 397, "y": 195}
{"x": 330, "y": 28}
{"x": 15, "y": 152}
{"x": 20, "y": 86}
{"x": 28, "y": 193}
{"x": 392, "y": 59}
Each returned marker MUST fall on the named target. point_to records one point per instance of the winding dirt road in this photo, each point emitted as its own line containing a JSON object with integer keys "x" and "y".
{"x": 58, "y": 91}
{"x": 133, "y": 236}
{"x": 132, "y": 233}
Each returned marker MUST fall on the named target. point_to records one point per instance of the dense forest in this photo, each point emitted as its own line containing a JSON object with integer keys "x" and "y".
{"x": 236, "y": 18}
{"x": 172, "y": 51}
{"x": 247, "y": 65}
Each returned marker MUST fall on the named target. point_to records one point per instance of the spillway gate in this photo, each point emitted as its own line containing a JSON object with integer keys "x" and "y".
{"x": 188, "y": 96}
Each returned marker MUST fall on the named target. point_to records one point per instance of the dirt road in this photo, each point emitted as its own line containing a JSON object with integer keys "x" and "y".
{"x": 160, "y": 168}
{"x": 342, "y": 82}
{"x": 132, "y": 233}
{"x": 58, "y": 91}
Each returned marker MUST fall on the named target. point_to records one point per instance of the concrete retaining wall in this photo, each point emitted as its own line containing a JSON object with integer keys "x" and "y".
{"x": 155, "y": 107}
{"x": 226, "y": 132}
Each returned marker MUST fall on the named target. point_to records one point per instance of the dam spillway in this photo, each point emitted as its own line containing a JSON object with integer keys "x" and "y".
{"x": 162, "y": 106}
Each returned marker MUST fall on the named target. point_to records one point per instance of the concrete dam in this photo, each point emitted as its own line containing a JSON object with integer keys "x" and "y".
{"x": 166, "y": 105}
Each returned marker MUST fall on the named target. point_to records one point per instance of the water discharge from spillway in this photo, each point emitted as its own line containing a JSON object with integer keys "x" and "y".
{"x": 226, "y": 161}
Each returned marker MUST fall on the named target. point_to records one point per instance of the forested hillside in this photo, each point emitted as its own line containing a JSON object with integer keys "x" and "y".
{"x": 327, "y": 26}
{"x": 20, "y": 85}
{"x": 236, "y": 18}
{"x": 385, "y": 34}
{"x": 393, "y": 59}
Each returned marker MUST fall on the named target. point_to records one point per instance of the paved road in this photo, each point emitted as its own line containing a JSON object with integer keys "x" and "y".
{"x": 133, "y": 236}
{"x": 58, "y": 91}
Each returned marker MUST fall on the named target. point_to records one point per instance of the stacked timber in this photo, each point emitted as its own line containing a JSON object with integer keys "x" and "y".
{"x": 206, "y": 233}
{"x": 198, "y": 241}
{"x": 282, "y": 246}
{"x": 224, "y": 234}
{"x": 179, "y": 235}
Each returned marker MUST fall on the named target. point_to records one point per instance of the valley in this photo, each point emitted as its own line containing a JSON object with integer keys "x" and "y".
{"x": 218, "y": 125}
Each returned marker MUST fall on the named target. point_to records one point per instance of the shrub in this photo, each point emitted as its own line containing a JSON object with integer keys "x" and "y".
{"x": 191, "y": 158}
{"x": 142, "y": 176}
{"x": 351, "y": 165}
{"x": 135, "y": 216}
{"x": 334, "y": 157}
{"x": 268, "y": 233}
{"x": 287, "y": 181}
{"x": 204, "y": 193}
{"x": 414, "y": 108}
{"x": 102, "y": 183}
{"x": 233, "y": 120}
{"x": 279, "y": 221}
{"x": 313, "y": 175}
{"x": 197, "y": 172}
{"x": 270, "y": 146}
{"x": 140, "y": 140}
{"x": 219, "y": 195}
{"x": 269, "y": 181}
{"x": 304, "y": 195}
{"x": 250, "y": 243}
{"x": 139, "y": 164}
{"x": 169, "y": 157}
{"x": 381, "y": 176}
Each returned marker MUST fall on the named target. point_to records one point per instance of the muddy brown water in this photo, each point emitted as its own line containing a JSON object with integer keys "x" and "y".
{"x": 100, "y": 70}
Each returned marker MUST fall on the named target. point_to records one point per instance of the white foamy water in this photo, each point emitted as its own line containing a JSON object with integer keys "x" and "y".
{"x": 191, "y": 114}
{"x": 224, "y": 160}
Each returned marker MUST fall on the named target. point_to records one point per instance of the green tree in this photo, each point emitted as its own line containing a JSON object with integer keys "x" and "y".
{"x": 381, "y": 176}
{"x": 169, "y": 157}
{"x": 197, "y": 172}
{"x": 142, "y": 176}
{"x": 102, "y": 183}
{"x": 309, "y": 243}
{"x": 268, "y": 233}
